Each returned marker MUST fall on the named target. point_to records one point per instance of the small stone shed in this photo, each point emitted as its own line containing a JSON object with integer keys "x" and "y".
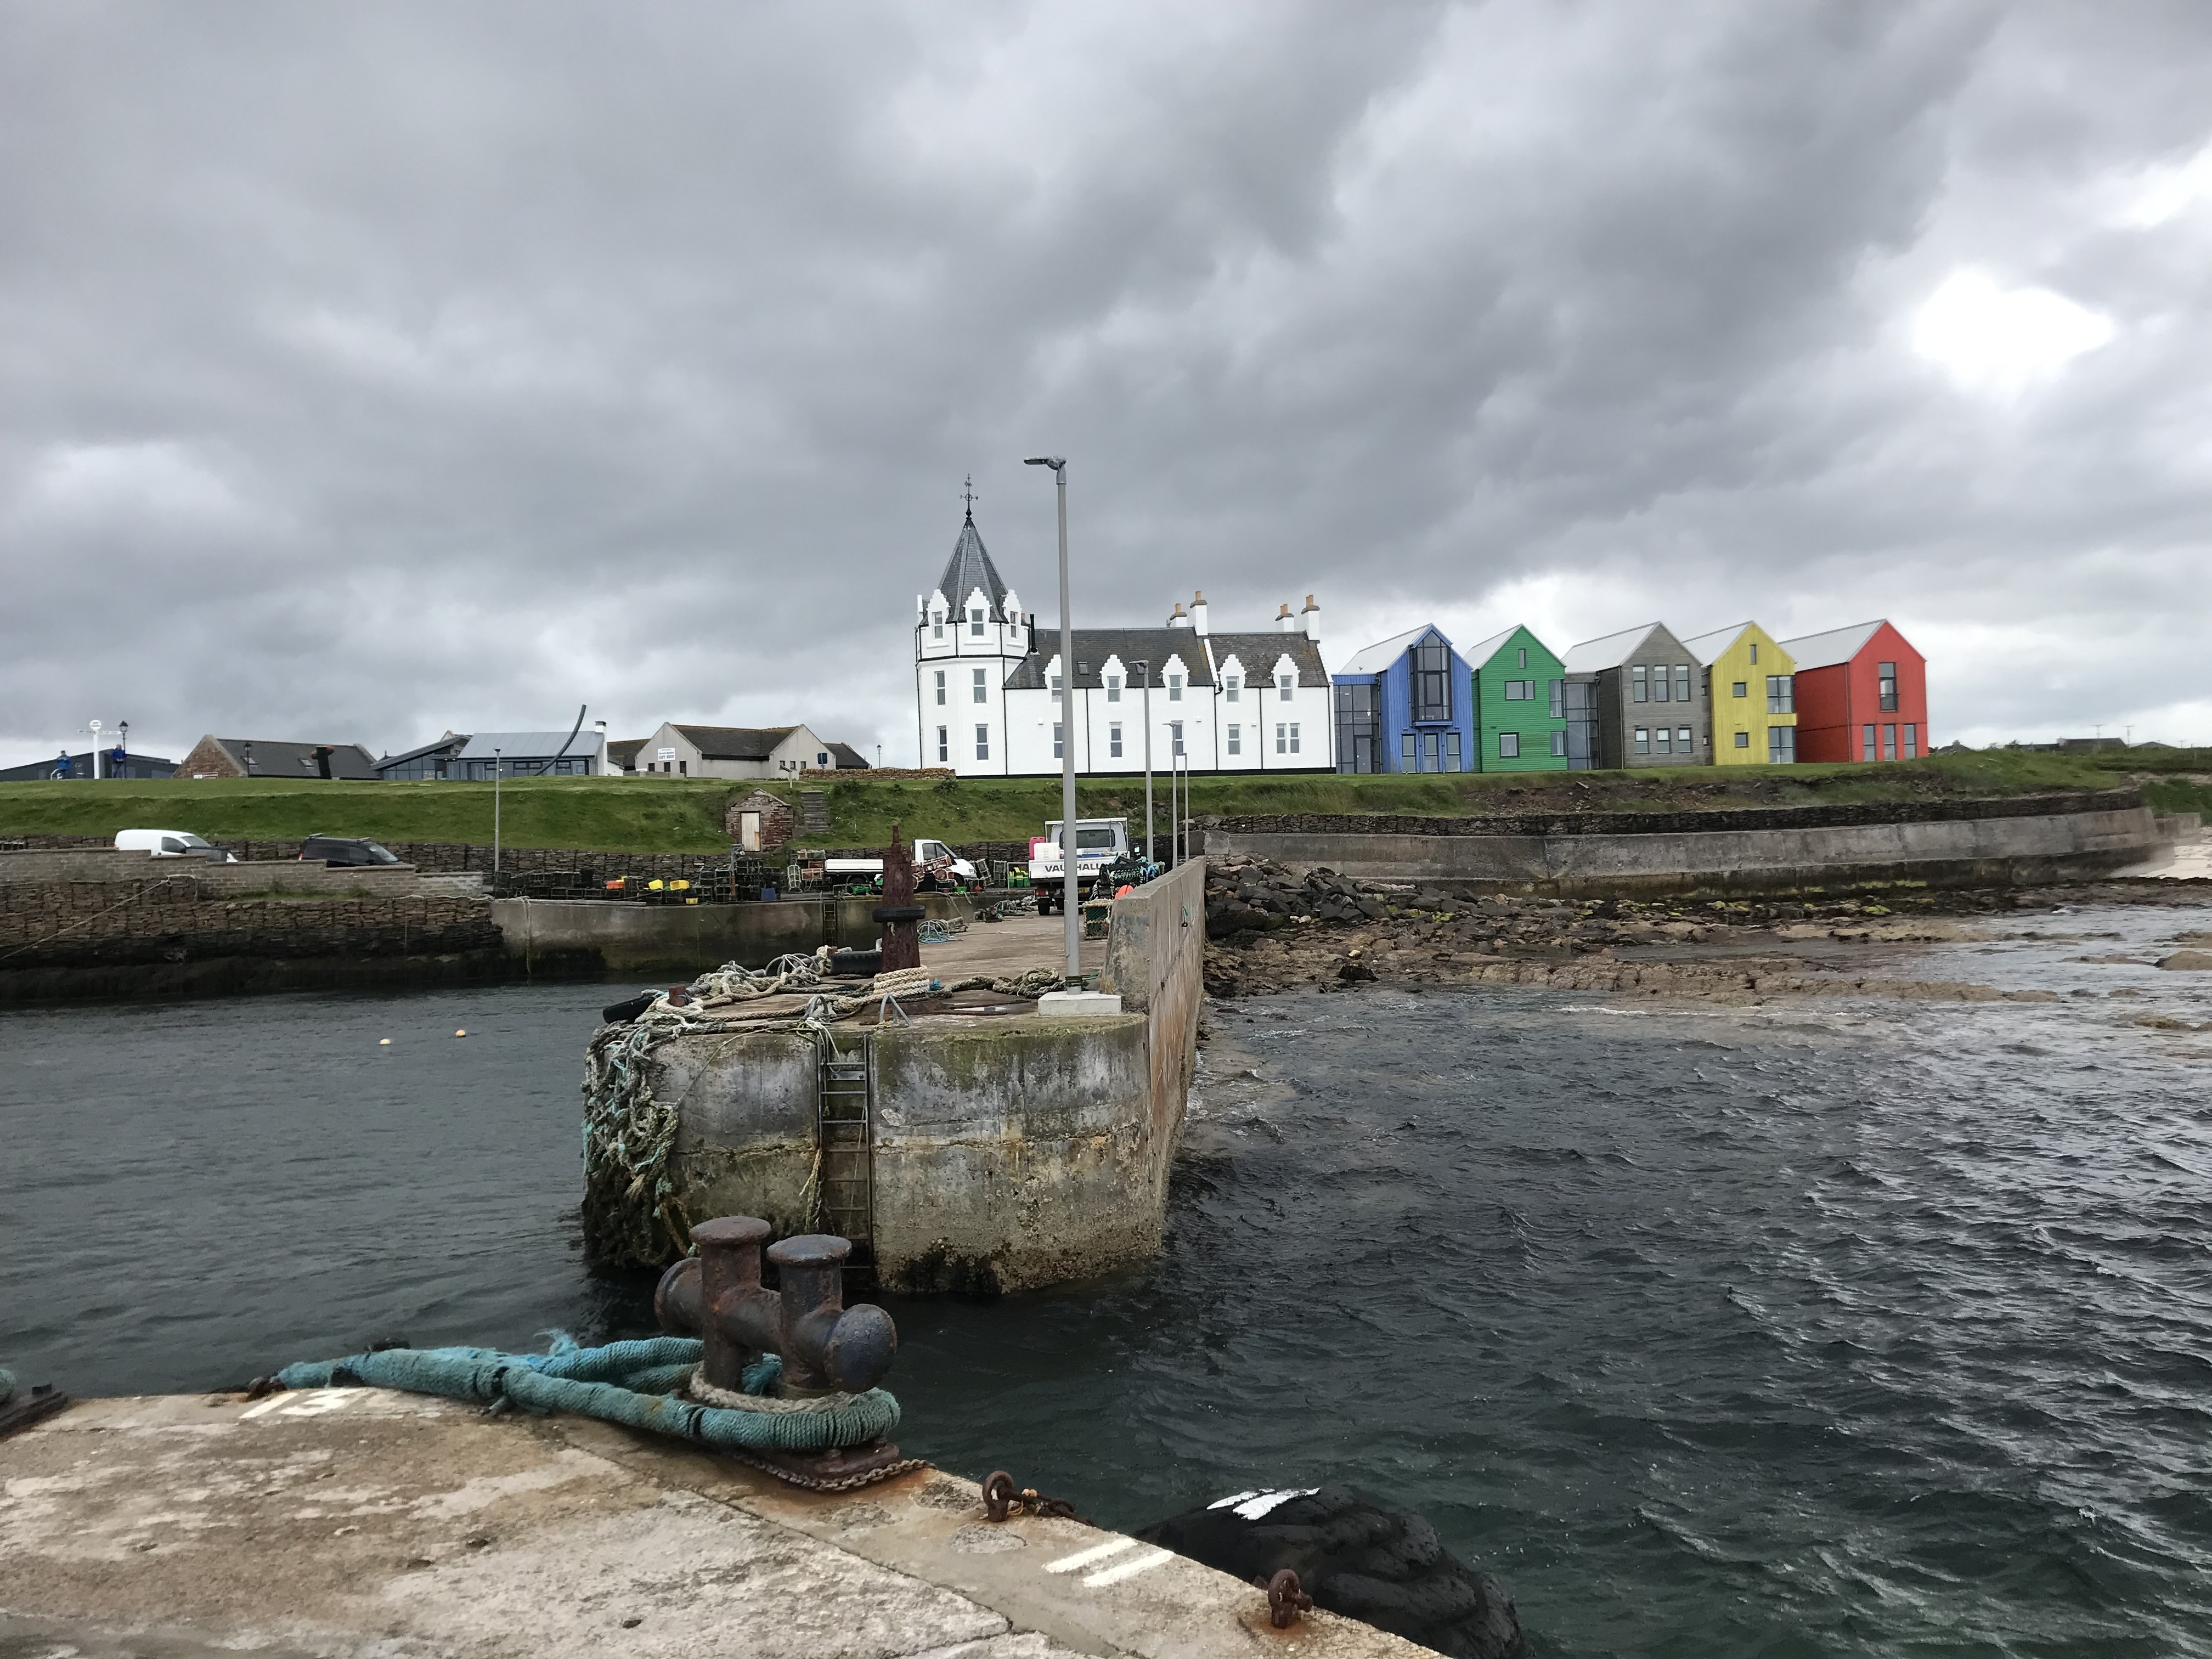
{"x": 758, "y": 822}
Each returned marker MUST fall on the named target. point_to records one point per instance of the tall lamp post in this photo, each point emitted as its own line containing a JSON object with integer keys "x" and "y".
{"x": 495, "y": 812}
{"x": 1142, "y": 664}
{"x": 123, "y": 745}
{"x": 1070, "y": 906}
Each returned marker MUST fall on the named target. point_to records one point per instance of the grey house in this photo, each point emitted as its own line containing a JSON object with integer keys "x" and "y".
{"x": 1636, "y": 698}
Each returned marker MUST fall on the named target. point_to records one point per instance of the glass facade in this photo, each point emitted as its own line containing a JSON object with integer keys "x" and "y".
{"x": 1359, "y": 728}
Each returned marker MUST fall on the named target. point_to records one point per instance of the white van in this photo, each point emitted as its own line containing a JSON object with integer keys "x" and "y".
{"x": 169, "y": 844}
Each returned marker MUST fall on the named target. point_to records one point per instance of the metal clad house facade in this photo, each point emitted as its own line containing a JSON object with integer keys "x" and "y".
{"x": 1635, "y": 698}
{"x": 1406, "y": 704}
{"x": 1519, "y": 705}
{"x": 1751, "y": 694}
{"x": 1862, "y": 694}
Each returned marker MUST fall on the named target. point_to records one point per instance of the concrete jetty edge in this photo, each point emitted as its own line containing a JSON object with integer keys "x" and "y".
{"x": 350, "y": 1522}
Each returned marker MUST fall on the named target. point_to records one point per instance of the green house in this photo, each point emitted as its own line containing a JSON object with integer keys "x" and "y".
{"x": 1519, "y": 705}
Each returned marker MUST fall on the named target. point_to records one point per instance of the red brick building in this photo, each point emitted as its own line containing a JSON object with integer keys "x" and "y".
{"x": 1862, "y": 694}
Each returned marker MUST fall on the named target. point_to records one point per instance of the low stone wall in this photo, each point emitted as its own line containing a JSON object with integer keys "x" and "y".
{"x": 570, "y": 934}
{"x": 1156, "y": 963}
{"x": 1999, "y": 849}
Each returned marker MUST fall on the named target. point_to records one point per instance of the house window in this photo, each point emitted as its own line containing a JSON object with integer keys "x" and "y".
{"x": 1558, "y": 741}
{"x": 1284, "y": 684}
{"x": 1054, "y": 684}
{"x": 1682, "y": 744}
{"x": 937, "y": 624}
{"x": 1639, "y": 679}
{"x": 1175, "y": 737}
{"x": 1781, "y": 694}
{"x": 1666, "y": 735}
{"x": 1509, "y": 745}
{"x": 1283, "y": 738}
{"x": 1660, "y": 682}
{"x": 1754, "y": 654}
{"x": 1175, "y": 688}
{"x": 944, "y": 746}
{"x": 1431, "y": 745}
{"x": 1889, "y": 742}
{"x": 1781, "y": 745}
{"x": 1409, "y": 753}
{"x": 1520, "y": 690}
{"x": 1911, "y": 740}
{"x": 1058, "y": 738}
{"x": 1359, "y": 728}
{"x": 685, "y": 768}
{"x": 982, "y": 743}
{"x": 1294, "y": 736}
{"x": 1432, "y": 680}
{"x": 1643, "y": 740}
{"x": 983, "y": 687}
{"x": 1743, "y": 739}
{"x": 1559, "y": 699}
{"x": 1113, "y": 688}
{"x": 941, "y": 688}
{"x": 1523, "y": 663}
{"x": 1742, "y": 689}
{"x": 1114, "y": 741}
{"x": 1888, "y": 688}
{"x": 1231, "y": 685}
{"x": 1865, "y": 742}
{"x": 1681, "y": 685}
{"x": 975, "y": 624}
{"x": 1452, "y": 750}
{"x": 1235, "y": 740}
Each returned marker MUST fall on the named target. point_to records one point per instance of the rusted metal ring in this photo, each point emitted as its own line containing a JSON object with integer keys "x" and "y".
{"x": 1286, "y": 1600}
{"x": 999, "y": 1494}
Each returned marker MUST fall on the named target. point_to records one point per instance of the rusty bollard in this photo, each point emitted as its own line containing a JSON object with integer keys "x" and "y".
{"x": 718, "y": 1296}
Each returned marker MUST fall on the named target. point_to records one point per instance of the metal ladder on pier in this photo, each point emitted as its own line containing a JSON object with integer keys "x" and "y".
{"x": 844, "y": 1128}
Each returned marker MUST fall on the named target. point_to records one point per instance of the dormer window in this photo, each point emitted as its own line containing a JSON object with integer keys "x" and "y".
{"x": 1113, "y": 688}
{"x": 1231, "y": 687}
{"x": 1286, "y": 684}
{"x": 1055, "y": 687}
{"x": 976, "y": 624}
{"x": 937, "y": 624}
{"x": 1175, "y": 688}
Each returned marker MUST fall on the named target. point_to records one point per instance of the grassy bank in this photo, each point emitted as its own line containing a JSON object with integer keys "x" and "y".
{"x": 675, "y": 815}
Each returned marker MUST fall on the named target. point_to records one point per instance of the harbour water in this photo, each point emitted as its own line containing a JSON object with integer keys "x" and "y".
{"x": 1821, "y": 1327}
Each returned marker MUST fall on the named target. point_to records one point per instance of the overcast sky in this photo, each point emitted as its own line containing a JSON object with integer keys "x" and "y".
{"x": 369, "y": 370}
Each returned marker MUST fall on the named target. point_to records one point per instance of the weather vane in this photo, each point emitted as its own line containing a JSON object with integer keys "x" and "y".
{"x": 968, "y": 494}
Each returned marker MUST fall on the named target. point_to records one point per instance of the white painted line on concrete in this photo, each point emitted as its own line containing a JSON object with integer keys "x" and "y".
{"x": 305, "y": 1403}
{"x": 1115, "y": 1574}
{"x": 1096, "y": 1552}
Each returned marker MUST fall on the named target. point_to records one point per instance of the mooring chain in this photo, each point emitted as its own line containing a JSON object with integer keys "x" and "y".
{"x": 1001, "y": 1498}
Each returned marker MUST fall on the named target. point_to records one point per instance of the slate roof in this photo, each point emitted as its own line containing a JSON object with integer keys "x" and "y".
{"x": 452, "y": 740}
{"x": 530, "y": 745}
{"x": 1093, "y": 646}
{"x": 1837, "y": 645}
{"x": 1377, "y": 657}
{"x": 1609, "y": 652}
{"x": 1258, "y": 653}
{"x": 970, "y": 568}
{"x": 735, "y": 743}
{"x": 622, "y": 753}
{"x": 845, "y": 755}
{"x": 275, "y": 758}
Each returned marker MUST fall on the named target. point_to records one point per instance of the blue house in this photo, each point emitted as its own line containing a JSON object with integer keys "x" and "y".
{"x": 1406, "y": 705}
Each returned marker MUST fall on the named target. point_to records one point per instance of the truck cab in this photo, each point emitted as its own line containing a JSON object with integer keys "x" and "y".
{"x": 1099, "y": 844}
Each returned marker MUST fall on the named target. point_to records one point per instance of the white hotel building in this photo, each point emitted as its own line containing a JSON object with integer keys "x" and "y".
{"x": 987, "y": 686}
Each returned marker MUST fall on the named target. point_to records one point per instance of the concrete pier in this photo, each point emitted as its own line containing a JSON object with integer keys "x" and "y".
{"x": 358, "y": 1523}
{"x": 575, "y": 935}
{"x": 1008, "y": 1151}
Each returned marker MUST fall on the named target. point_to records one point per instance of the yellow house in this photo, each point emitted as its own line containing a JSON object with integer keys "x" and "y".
{"x": 1750, "y": 693}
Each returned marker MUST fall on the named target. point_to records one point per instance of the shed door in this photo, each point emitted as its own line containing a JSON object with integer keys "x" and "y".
{"x": 749, "y": 831}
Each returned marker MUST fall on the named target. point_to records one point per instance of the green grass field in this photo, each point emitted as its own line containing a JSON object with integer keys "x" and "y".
{"x": 639, "y": 815}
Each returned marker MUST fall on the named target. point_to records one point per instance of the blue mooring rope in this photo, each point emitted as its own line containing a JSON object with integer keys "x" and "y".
{"x": 625, "y": 1382}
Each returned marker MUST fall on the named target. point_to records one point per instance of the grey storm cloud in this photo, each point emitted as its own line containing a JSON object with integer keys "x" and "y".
{"x": 373, "y": 370}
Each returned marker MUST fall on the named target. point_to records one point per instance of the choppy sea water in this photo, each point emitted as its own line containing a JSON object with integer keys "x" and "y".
{"x": 1818, "y": 1328}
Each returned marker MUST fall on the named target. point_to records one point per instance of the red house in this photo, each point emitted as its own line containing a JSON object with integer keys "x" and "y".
{"x": 1862, "y": 694}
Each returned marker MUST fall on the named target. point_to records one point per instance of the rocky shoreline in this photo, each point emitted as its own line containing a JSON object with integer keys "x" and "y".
{"x": 1270, "y": 929}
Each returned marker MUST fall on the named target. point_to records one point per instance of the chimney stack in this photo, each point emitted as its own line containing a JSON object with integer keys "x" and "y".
{"x": 1285, "y": 622}
{"x": 1197, "y": 613}
{"x": 1311, "y": 619}
{"x": 1178, "y": 620}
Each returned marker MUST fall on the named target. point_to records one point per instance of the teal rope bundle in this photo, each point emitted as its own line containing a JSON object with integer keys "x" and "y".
{"x": 629, "y": 1383}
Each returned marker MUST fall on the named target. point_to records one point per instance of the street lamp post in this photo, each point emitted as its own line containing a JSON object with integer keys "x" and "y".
{"x": 123, "y": 744}
{"x": 495, "y": 812}
{"x": 1147, "y": 717}
{"x": 1069, "y": 904}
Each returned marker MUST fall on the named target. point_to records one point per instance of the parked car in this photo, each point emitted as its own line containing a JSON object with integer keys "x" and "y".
{"x": 348, "y": 850}
{"x": 170, "y": 844}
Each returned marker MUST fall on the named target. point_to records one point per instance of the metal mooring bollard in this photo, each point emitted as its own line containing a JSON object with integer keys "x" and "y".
{"x": 718, "y": 1296}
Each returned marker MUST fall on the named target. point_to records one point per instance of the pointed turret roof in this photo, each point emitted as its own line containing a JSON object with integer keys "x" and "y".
{"x": 970, "y": 568}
